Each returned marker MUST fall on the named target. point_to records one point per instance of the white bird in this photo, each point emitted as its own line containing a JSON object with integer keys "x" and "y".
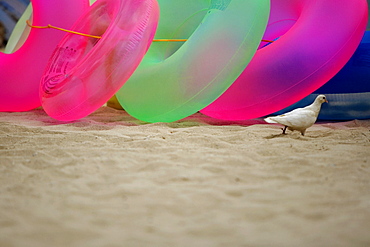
{"x": 301, "y": 118}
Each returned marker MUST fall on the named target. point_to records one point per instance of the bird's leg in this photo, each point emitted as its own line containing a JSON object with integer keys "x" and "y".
{"x": 284, "y": 129}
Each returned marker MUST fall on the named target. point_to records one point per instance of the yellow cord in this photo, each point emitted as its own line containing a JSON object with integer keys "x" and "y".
{"x": 62, "y": 29}
{"x": 169, "y": 40}
{"x": 99, "y": 37}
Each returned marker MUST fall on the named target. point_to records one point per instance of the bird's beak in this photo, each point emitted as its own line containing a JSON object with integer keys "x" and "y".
{"x": 326, "y": 101}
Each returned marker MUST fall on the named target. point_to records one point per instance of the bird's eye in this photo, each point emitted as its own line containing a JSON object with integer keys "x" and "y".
{"x": 323, "y": 97}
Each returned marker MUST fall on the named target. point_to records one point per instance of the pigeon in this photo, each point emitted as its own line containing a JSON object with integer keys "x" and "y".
{"x": 301, "y": 118}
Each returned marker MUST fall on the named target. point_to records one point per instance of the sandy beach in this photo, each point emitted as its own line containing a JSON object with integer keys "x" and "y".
{"x": 111, "y": 180}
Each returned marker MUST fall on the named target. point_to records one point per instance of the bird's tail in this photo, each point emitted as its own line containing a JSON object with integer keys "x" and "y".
{"x": 269, "y": 120}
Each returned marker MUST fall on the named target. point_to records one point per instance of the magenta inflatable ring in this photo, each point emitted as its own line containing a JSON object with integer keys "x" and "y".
{"x": 21, "y": 71}
{"x": 85, "y": 72}
{"x": 315, "y": 40}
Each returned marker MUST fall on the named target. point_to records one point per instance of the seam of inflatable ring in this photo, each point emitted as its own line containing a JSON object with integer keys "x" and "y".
{"x": 289, "y": 19}
{"x": 164, "y": 58}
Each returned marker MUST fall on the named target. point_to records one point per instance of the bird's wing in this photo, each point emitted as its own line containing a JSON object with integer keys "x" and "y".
{"x": 275, "y": 119}
{"x": 298, "y": 118}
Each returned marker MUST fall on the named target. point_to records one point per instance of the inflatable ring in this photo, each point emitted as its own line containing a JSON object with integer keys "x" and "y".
{"x": 85, "y": 72}
{"x": 315, "y": 43}
{"x": 348, "y": 91}
{"x": 176, "y": 80}
{"x": 21, "y": 71}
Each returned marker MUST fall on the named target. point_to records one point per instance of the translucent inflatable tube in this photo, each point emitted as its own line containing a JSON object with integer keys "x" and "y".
{"x": 85, "y": 72}
{"x": 348, "y": 91}
{"x": 316, "y": 39}
{"x": 175, "y": 80}
{"x": 21, "y": 71}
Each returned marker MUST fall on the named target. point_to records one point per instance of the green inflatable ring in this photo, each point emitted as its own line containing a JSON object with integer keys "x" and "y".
{"x": 177, "y": 79}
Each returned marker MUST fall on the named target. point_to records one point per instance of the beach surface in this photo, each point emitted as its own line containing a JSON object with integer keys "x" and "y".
{"x": 111, "y": 180}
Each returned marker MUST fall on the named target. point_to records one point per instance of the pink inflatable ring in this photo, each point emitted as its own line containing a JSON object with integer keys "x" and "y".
{"x": 85, "y": 72}
{"x": 315, "y": 40}
{"x": 20, "y": 72}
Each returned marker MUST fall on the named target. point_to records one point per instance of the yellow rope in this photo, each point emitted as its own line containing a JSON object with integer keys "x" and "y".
{"x": 62, "y": 29}
{"x": 169, "y": 40}
{"x": 99, "y": 37}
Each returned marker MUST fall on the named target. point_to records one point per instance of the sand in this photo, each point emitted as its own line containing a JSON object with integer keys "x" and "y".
{"x": 112, "y": 180}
